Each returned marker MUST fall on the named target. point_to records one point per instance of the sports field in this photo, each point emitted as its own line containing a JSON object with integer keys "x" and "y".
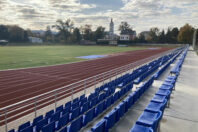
{"x": 30, "y": 56}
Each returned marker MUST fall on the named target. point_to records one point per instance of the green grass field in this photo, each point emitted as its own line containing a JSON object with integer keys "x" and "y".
{"x": 30, "y": 56}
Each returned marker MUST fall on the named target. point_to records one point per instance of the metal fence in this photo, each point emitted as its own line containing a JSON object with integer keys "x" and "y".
{"x": 22, "y": 108}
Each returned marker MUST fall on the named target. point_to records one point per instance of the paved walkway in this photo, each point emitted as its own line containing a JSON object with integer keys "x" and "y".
{"x": 182, "y": 116}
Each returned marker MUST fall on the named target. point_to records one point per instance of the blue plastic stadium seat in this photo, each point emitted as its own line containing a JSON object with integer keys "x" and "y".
{"x": 84, "y": 108}
{"x": 60, "y": 108}
{"x": 158, "y": 98}
{"x": 82, "y": 97}
{"x": 156, "y": 106}
{"x": 115, "y": 96}
{"x": 74, "y": 105}
{"x": 75, "y": 113}
{"x": 63, "y": 120}
{"x": 27, "y": 129}
{"x": 111, "y": 119}
{"x": 88, "y": 116}
{"x": 37, "y": 119}
{"x": 99, "y": 127}
{"x": 83, "y": 101}
{"x": 49, "y": 114}
{"x": 65, "y": 110}
{"x": 140, "y": 128}
{"x": 49, "y": 128}
{"x": 75, "y": 125}
{"x": 68, "y": 104}
{"x": 99, "y": 108}
{"x": 121, "y": 109}
{"x": 93, "y": 102}
{"x": 41, "y": 124}
{"x": 75, "y": 100}
{"x": 166, "y": 87}
{"x": 107, "y": 102}
{"x": 163, "y": 92}
{"x": 23, "y": 126}
{"x": 55, "y": 116}
{"x": 150, "y": 119}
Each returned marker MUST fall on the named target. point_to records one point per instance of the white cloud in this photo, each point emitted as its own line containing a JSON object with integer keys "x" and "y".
{"x": 141, "y": 14}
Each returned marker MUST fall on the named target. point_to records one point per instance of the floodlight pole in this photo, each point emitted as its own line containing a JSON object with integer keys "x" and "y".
{"x": 194, "y": 39}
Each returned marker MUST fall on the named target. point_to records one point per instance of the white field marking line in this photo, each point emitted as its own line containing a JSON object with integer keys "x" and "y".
{"x": 161, "y": 54}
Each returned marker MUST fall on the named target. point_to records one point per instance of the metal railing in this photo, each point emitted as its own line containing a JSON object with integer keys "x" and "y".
{"x": 22, "y": 108}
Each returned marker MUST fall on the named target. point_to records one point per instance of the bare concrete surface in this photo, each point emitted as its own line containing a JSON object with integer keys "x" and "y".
{"x": 182, "y": 116}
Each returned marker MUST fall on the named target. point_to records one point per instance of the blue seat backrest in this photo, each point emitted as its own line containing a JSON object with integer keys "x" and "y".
{"x": 23, "y": 126}
{"x": 27, "y": 129}
{"x": 75, "y": 125}
{"x": 88, "y": 116}
{"x": 99, "y": 127}
{"x": 107, "y": 102}
{"x": 93, "y": 102}
{"x": 75, "y": 113}
{"x": 99, "y": 108}
{"x": 41, "y": 123}
{"x": 75, "y": 100}
{"x": 60, "y": 108}
{"x": 63, "y": 120}
{"x": 82, "y": 97}
{"x": 49, "y": 128}
{"x": 49, "y": 114}
{"x": 37, "y": 119}
{"x": 68, "y": 104}
{"x": 75, "y": 105}
{"x": 55, "y": 116}
{"x": 115, "y": 97}
{"x": 111, "y": 119}
{"x": 66, "y": 110}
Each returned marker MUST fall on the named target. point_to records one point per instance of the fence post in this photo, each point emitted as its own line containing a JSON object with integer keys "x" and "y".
{"x": 95, "y": 81}
{"x": 35, "y": 108}
{"x": 85, "y": 87}
{"x": 6, "y": 122}
{"x": 72, "y": 96}
{"x": 103, "y": 78}
{"x": 55, "y": 102}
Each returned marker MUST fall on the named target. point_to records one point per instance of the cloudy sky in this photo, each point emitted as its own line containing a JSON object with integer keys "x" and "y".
{"x": 141, "y": 14}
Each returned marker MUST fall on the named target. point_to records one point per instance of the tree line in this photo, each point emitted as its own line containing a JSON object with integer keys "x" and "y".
{"x": 66, "y": 32}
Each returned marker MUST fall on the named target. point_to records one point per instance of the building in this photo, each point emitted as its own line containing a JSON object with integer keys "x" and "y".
{"x": 35, "y": 40}
{"x": 127, "y": 35}
{"x": 110, "y": 38}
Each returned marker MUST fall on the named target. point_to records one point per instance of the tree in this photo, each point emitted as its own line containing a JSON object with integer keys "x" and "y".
{"x": 154, "y": 32}
{"x": 87, "y": 32}
{"x": 99, "y": 33}
{"x": 16, "y": 34}
{"x": 4, "y": 34}
{"x": 162, "y": 37}
{"x": 124, "y": 27}
{"x": 64, "y": 28}
{"x": 48, "y": 34}
{"x": 76, "y": 36}
{"x": 186, "y": 34}
{"x": 175, "y": 32}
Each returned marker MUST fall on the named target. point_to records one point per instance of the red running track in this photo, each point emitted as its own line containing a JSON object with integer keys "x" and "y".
{"x": 18, "y": 85}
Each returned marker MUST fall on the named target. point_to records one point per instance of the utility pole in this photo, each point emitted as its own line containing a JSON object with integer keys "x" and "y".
{"x": 194, "y": 39}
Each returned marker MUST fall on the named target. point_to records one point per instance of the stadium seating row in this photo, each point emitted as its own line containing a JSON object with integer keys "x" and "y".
{"x": 149, "y": 120}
